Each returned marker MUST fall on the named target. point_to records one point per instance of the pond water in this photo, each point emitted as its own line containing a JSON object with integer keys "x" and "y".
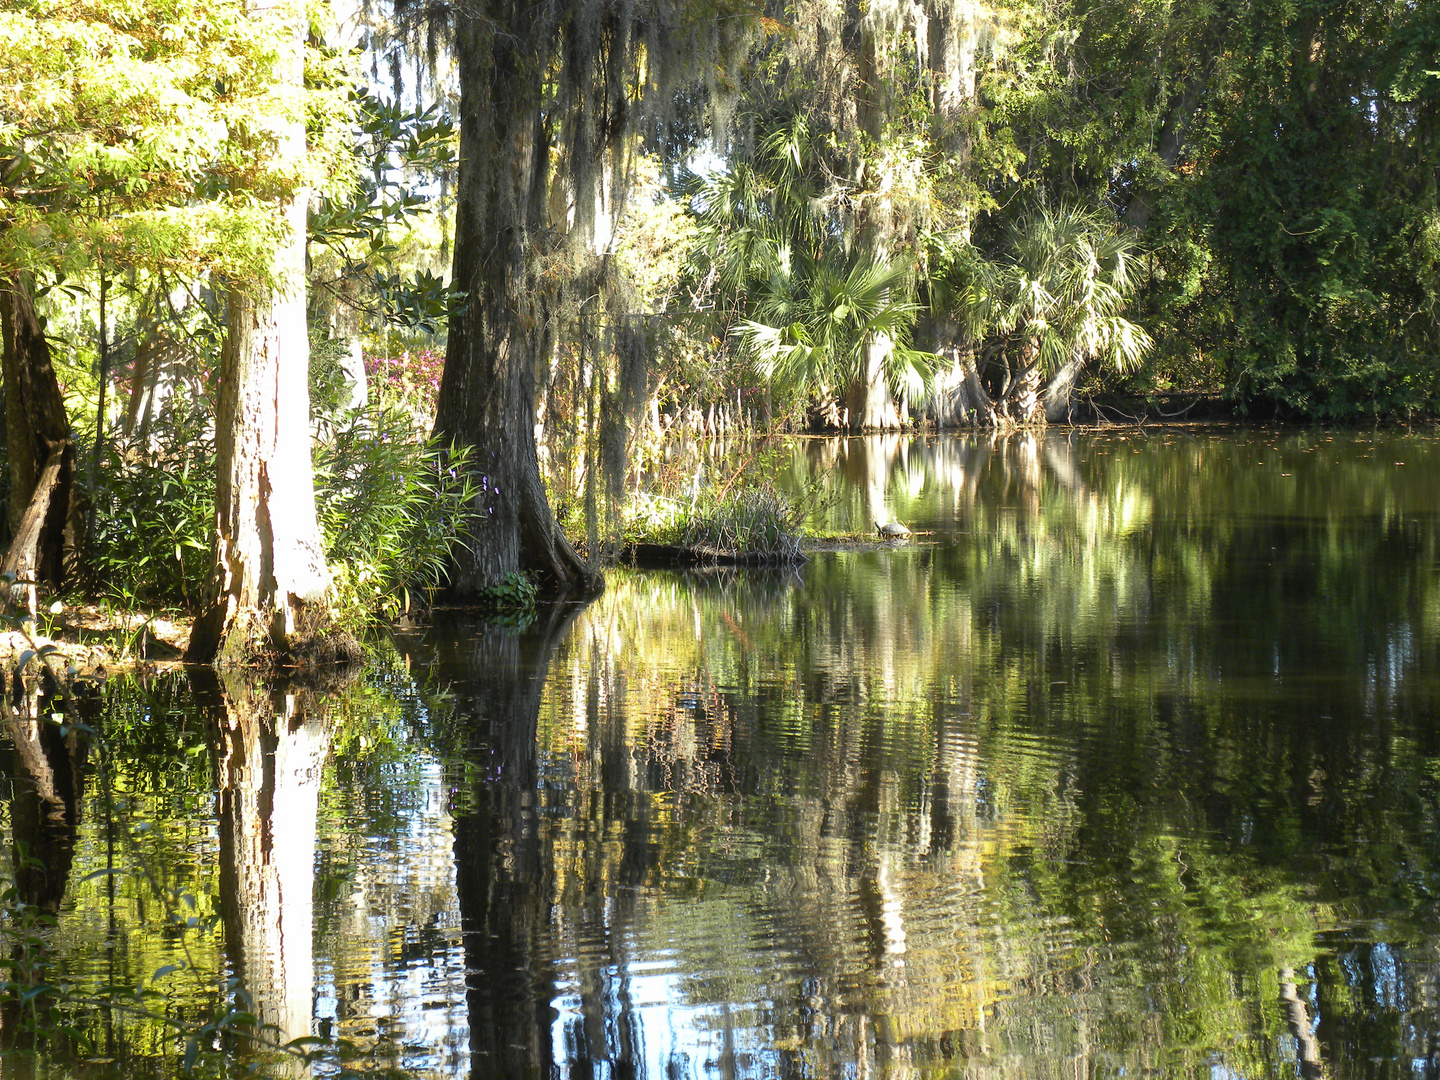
{"x": 1129, "y": 763}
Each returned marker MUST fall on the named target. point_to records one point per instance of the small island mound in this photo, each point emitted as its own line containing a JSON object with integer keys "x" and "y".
{"x": 753, "y": 526}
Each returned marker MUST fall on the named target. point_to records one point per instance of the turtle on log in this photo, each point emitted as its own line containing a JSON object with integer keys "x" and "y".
{"x": 891, "y": 530}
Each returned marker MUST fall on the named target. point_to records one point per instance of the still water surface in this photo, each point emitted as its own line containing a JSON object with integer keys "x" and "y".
{"x": 1128, "y": 764}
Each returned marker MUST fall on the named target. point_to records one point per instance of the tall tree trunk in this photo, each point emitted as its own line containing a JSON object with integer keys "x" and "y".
{"x": 958, "y": 397}
{"x": 487, "y": 393}
{"x": 952, "y": 40}
{"x": 270, "y": 584}
{"x": 1024, "y": 405}
{"x": 41, "y": 450}
{"x": 868, "y": 400}
{"x": 153, "y": 379}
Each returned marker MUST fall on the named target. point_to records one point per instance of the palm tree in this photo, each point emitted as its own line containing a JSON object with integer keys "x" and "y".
{"x": 816, "y": 319}
{"x": 1047, "y": 306}
{"x": 805, "y": 306}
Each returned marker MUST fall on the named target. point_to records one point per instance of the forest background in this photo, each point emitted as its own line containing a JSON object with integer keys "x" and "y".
{"x": 484, "y": 263}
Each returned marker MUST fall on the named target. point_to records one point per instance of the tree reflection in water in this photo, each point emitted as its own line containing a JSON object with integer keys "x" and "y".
{"x": 46, "y": 772}
{"x": 502, "y": 879}
{"x": 1128, "y": 763}
{"x": 1041, "y": 789}
{"x": 270, "y": 745}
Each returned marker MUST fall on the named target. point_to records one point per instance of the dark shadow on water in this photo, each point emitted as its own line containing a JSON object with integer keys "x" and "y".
{"x": 503, "y": 882}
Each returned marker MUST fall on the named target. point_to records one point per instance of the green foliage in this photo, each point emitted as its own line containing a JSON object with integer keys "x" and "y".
{"x": 357, "y": 234}
{"x": 806, "y": 303}
{"x": 515, "y": 595}
{"x": 1280, "y": 159}
{"x": 1324, "y": 268}
{"x": 329, "y": 384}
{"x": 1054, "y": 291}
{"x": 814, "y": 321}
{"x": 133, "y": 135}
{"x": 153, "y": 509}
{"x": 408, "y": 380}
{"x": 391, "y": 507}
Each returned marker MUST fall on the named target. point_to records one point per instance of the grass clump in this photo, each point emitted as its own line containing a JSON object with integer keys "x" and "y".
{"x": 755, "y": 521}
{"x": 749, "y": 521}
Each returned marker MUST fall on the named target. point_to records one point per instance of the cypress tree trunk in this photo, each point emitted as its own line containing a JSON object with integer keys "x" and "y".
{"x": 952, "y": 35}
{"x": 41, "y": 450}
{"x": 487, "y": 393}
{"x": 1059, "y": 391}
{"x": 270, "y": 583}
{"x": 958, "y": 397}
{"x": 868, "y": 400}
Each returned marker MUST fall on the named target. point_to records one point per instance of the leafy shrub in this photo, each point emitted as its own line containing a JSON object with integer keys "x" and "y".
{"x": 152, "y": 510}
{"x": 391, "y": 508}
{"x": 409, "y": 380}
{"x": 329, "y": 382}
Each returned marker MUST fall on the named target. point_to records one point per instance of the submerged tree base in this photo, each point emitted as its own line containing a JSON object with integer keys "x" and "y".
{"x": 250, "y": 641}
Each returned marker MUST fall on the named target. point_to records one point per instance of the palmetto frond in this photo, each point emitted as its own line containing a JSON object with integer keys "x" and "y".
{"x": 1060, "y": 284}
{"x": 812, "y": 327}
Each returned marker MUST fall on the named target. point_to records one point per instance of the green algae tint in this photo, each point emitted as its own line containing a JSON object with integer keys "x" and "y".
{"x": 1127, "y": 762}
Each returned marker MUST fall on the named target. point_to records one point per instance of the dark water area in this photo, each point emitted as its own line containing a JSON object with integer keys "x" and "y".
{"x": 1127, "y": 764}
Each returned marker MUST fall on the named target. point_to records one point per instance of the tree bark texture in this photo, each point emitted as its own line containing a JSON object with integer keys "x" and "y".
{"x": 40, "y": 446}
{"x": 868, "y": 401}
{"x": 270, "y": 583}
{"x": 1059, "y": 390}
{"x": 958, "y": 398}
{"x": 488, "y": 390}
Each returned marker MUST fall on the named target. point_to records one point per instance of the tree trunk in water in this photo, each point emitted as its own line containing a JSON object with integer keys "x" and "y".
{"x": 1026, "y": 408}
{"x": 487, "y": 393}
{"x": 41, "y": 450}
{"x": 868, "y": 401}
{"x": 270, "y": 584}
{"x": 270, "y": 749}
{"x": 958, "y": 397}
